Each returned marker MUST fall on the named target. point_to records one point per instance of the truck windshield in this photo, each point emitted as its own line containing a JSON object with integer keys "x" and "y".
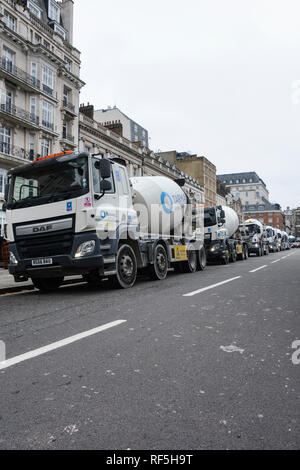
{"x": 252, "y": 229}
{"x": 53, "y": 183}
{"x": 210, "y": 217}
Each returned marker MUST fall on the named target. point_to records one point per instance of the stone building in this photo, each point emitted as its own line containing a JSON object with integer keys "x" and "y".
{"x": 131, "y": 129}
{"x": 248, "y": 187}
{"x": 39, "y": 82}
{"x": 96, "y": 138}
{"x": 199, "y": 168}
{"x": 268, "y": 214}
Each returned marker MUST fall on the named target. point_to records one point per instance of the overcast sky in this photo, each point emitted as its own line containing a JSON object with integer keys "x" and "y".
{"x": 214, "y": 77}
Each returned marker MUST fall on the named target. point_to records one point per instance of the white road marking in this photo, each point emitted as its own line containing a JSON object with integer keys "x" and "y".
{"x": 59, "y": 344}
{"x": 258, "y": 269}
{"x": 277, "y": 261}
{"x": 191, "y": 294}
{"x": 284, "y": 257}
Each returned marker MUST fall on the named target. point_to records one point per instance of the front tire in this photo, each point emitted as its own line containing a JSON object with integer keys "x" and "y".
{"x": 126, "y": 266}
{"x": 48, "y": 285}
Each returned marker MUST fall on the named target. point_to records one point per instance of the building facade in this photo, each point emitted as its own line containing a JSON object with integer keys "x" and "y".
{"x": 39, "y": 82}
{"x": 199, "y": 168}
{"x": 289, "y": 220}
{"x": 248, "y": 187}
{"x": 131, "y": 130}
{"x": 95, "y": 138}
{"x": 268, "y": 214}
{"x": 296, "y": 223}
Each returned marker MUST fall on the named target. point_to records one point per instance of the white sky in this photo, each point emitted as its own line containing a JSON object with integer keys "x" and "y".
{"x": 214, "y": 77}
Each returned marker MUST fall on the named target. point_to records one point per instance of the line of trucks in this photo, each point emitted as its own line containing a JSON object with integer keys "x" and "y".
{"x": 80, "y": 214}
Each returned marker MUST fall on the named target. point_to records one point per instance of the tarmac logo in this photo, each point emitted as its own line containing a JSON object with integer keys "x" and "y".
{"x": 296, "y": 354}
{"x": 2, "y": 351}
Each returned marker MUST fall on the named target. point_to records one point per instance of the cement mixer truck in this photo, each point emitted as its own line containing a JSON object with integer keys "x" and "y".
{"x": 223, "y": 242}
{"x": 252, "y": 231}
{"x": 80, "y": 214}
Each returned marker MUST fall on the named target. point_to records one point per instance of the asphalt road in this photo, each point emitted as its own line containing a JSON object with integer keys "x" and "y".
{"x": 211, "y": 370}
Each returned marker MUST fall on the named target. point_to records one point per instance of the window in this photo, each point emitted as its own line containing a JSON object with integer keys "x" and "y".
{"x": 270, "y": 220}
{"x": 244, "y": 181}
{"x": 47, "y": 80}
{"x": 67, "y": 96}
{"x": 124, "y": 181}
{"x": 8, "y": 59}
{"x": 46, "y": 44}
{"x": 250, "y": 180}
{"x": 231, "y": 182}
{"x": 54, "y": 12}
{"x": 47, "y": 116}
{"x": 5, "y": 140}
{"x": 33, "y": 108}
{"x": 37, "y": 39}
{"x": 3, "y": 180}
{"x": 6, "y": 101}
{"x": 68, "y": 64}
{"x": 45, "y": 147}
{"x": 10, "y": 21}
{"x": 34, "y": 9}
{"x": 237, "y": 181}
{"x": 34, "y": 73}
{"x": 31, "y": 147}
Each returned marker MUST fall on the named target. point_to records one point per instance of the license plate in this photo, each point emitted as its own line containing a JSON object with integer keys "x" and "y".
{"x": 42, "y": 262}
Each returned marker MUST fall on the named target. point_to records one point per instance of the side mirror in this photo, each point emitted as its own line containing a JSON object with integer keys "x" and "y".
{"x": 105, "y": 186}
{"x": 222, "y": 215}
{"x": 4, "y": 207}
{"x": 104, "y": 167}
{"x": 6, "y": 191}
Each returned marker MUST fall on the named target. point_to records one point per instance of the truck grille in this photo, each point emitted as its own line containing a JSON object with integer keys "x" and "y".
{"x": 46, "y": 245}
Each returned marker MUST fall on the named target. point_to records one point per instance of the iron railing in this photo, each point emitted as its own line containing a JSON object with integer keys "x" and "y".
{"x": 9, "y": 67}
{"x": 19, "y": 113}
{"x": 68, "y": 105}
{"x": 14, "y": 151}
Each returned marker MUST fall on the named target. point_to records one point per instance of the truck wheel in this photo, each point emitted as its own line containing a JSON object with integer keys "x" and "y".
{"x": 202, "y": 260}
{"x": 126, "y": 266}
{"x": 190, "y": 266}
{"x": 159, "y": 270}
{"x": 258, "y": 253}
{"x": 226, "y": 258}
{"x": 48, "y": 285}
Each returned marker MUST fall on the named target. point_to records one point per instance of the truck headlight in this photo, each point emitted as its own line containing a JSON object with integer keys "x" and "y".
{"x": 215, "y": 247}
{"x": 12, "y": 258}
{"x": 85, "y": 249}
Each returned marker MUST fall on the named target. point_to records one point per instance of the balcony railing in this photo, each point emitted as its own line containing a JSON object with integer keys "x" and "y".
{"x": 68, "y": 105}
{"x": 19, "y": 113}
{"x": 68, "y": 137}
{"x": 9, "y": 67}
{"x": 14, "y": 151}
{"x": 47, "y": 90}
{"x": 48, "y": 125}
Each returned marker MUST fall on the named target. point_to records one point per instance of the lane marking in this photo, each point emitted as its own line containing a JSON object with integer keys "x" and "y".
{"x": 284, "y": 257}
{"x": 199, "y": 291}
{"x": 258, "y": 269}
{"x": 59, "y": 344}
{"x": 277, "y": 261}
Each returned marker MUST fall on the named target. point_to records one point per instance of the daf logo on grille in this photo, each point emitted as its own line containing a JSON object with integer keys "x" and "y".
{"x": 42, "y": 229}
